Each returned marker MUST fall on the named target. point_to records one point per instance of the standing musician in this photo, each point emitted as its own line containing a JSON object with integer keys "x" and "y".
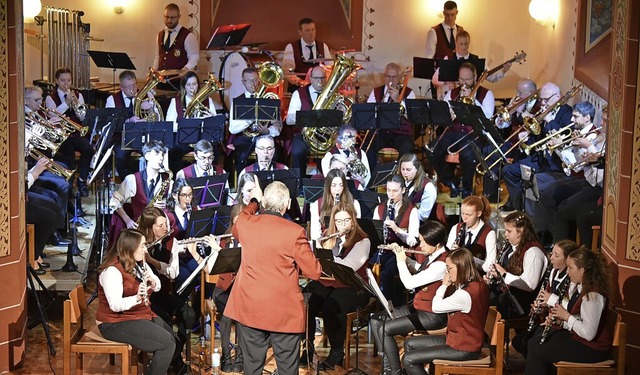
{"x": 298, "y": 53}
{"x": 425, "y": 277}
{"x": 482, "y": 97}
{"x": 265, "y": 150}
{"x": 346, "y": 146}
{"x": 177, "y": 47}
{"x": 189, "y": 85}
{"x": 203, "y": 153}
{"x": 247, "y": 131}
{"x": 579, "y": 332}
{"x": 138, "y": 190}
{"x": 465, "y": 298}
{"x": 275, "y": 263}
{"x": 519, "y": 266}
{"x": 475, "y": 233}
{"x": 71, "y": 104}
{"x": 335, "y": 192}
{"x": 124, "y": 313}
{"x": 554, "y": 288}
{"x": 401, "y": 225}
{"x": 333, "y": 298}
{"x": 401, "y": 139}
{"x": 420, "y": 189}
{"x": 302, "y": 100}
{"x": 441, "y": 38}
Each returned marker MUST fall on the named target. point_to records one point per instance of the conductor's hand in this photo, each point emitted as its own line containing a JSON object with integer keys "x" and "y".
{"x": 256, "y": 192}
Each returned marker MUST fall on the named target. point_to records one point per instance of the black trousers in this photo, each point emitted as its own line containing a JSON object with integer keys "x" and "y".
{"x": 424, "y": 349}
{"x": 67, "y": 154}
{"x": 43, "y": 213}
{"x": 407, "y": 319}
{"x": 60, "y": 187}
{"x": 153, "y": 336}
{"x": 571, "y": 210}
{"x": 255, "y": 342}
{"x": 559, "y": 346}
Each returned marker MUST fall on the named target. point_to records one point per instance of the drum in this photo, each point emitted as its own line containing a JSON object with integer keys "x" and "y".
{"x": 387, "y": 155}
{"x": 231, "y": 72}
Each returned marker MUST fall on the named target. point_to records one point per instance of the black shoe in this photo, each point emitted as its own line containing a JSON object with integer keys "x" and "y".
{"x": 82, "y": 188}
{"x": 179, "y": 367}
{"x": 507, "y": 207}
{"x": 40, "y": 271}
{"x": 227, "y": 366}
{"x": 335, "y": 358}
{"x": 44, "y": 265}
{"x": 57, "y": 240}
{"x": 238, "y": 366}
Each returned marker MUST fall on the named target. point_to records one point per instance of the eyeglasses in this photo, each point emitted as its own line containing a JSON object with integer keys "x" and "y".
{"x": 319, "y": 78}
{"x": 185, "y": 195}
{"x": 548, "y": 98}
{"x": 267, "y": 149}
{"x": 348, "y": 136}
{"x": 253, "y": 80}
{"x": 206, "y": 158}
{"x": 343, "y": 221}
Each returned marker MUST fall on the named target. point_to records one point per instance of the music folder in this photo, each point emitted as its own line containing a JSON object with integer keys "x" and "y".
{"x": 191, "y": 130}
{"x": 381, "y": 173}
{"x": 228, "y": 35}
{"x": 423, "y": 67}
{"x": 428, "y": 111}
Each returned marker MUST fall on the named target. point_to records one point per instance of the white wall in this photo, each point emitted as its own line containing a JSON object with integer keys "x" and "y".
{"x": 498, "y": 28}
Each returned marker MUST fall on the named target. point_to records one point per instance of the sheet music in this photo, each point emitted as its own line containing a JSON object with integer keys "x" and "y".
{"x": 195, "y": 272}
{"x": 383, "y": 301}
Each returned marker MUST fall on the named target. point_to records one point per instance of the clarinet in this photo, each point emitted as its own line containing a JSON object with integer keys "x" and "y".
{"x": 391, "y": 216}
{"x": 142, "y": 270}
{"x": 461, "y": 235}
{"x": 562, "y": 289}
{"x": 336, "y": 199}
{"x": 504, "y": 247}
{"x": 537, "y": 309}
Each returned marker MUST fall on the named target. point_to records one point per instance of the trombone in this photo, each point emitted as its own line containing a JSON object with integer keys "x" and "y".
{"x": 479, "y": 168}
{"x": 504, "y": 113}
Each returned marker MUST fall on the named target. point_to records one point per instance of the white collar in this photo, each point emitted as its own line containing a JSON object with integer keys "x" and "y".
{"x": 304, "y": 44}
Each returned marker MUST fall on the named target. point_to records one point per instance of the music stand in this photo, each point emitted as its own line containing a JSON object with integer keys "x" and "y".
{"x": 312, "y": 189}
{"x": 289, "y": 177}
{"x": 368, "y": 200}
{"x": 388, "y": 306}
{"x": 228, "y": 35}
{"x": 449, "y": 68}
{"x": 423, "y": 67}
{"x": 208, "y": 221}
{"x": 381, "y": 173}
{"x": 373, "y": 229}
{"x": 209, "y": 191}
{"x": 112, "y": 60}
{"x": 136, "y": 134}
{"x": 192, "y": 130}
{"x": 256, "y": 109}
{"x": 383, "y": 116}
{"x": 320, "y": 118}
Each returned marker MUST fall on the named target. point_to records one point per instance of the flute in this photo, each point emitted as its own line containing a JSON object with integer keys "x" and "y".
{"x": 202, "y": 239}
{"x": 391, "y": 247}
{"x": 336, "y": 234}
{"x": 159, "y": 240}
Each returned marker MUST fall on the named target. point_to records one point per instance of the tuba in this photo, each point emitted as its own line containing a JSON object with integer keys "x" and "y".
{"x": 196, "y": 109}
{"x": 320, "y": 140}
{"x": 270, "y": 75}
{"x": 154, "y": 113}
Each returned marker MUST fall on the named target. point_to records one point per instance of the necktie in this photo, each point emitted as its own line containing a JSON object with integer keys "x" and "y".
{"x": 505, "y": 258}
{"x": 253, "y": 96}
{"x": 152, "y": 188}
{"x": 205, "y": 174}
{"x": 573, "y": 300}
{"x": 469, "y": 240}
{"x": 311, "y": 57}
{"x": 425, "y": 263}
{"x": 336, "y": 247}
{"x": 167, "y": 39}
{"x": 185, "y": 220}
{"x": 452, "y": 39}
{"x": 346, "y": 153}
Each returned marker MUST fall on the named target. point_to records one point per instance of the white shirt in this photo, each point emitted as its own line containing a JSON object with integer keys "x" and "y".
{"x": 358, "y": 255}
{"x": 533, "y": 264}
{"x": 488, "y": 104}
{"x": 112, "y": 104}
{"x": 434, "y": 271}
{"x": 460, "y": 300}
{"x": 63, "y": 107}
{"x": 587, "y": 322}
{"x": 429, "y": 195}
{"x": 385, "y": 96}
{"x": 295, "y": 104}
{"x": 112, "y": 285}
{"x": 172, "y": 111}
{"x": 238, "y": 126}
{"x": 326, "y": 162}
{"x": 288, "y": 60}
{"x": 128, "y": 190}
{"x": 555, "y": 276}
{"x": 407, "y": 235}
{"x": 190, "y": 45}
{"x": 432, "y": 39}
{"x": 489, "y": 244}
{"x": 315, "y": 219}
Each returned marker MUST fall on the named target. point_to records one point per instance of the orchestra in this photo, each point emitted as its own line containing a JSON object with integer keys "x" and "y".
{"x": 437, "y": 274}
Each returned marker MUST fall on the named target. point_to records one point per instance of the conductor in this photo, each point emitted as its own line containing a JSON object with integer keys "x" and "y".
{"x": 269, "y": 272}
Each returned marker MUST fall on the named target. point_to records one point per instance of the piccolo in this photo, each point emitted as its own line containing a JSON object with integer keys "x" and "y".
{"x": 202, "y": 239}
{"x": 391, "y": 247}
{"x": 336, "y": 234}
{"x": 159, "y": 240}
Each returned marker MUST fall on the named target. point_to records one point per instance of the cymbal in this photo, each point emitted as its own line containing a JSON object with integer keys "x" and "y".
{"x": 171, "y": 72}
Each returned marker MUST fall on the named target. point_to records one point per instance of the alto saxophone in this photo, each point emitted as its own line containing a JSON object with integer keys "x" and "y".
{"x": 163, "y": 189}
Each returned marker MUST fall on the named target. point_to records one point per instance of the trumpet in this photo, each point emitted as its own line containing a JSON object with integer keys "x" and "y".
{"x": 566, "y": 143}
{"x": 391, "y": 247}
{"x": 67, "y": 124}
{"x": 53, "y": 167}
{"x": 543, "y": 145}
{"x": 534, "y": 122}
{"x": 581, "y": 163}
{"x": 80, "y": 109}
{"x": 200, "y": 240}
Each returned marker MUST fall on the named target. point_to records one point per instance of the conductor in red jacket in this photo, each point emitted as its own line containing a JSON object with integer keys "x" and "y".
{"x": 266, "y": 300}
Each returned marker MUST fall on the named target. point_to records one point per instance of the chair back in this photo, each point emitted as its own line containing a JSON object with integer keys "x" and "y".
{"x": 494, "y": 328}
{"x": 78, "y": 304}
{"x": 618, "y": 328}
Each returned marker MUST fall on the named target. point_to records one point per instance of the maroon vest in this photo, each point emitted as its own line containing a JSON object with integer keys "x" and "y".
{"x": 301, "y": 65}
{"x": 402, "y": 221}
{"x": 190, "y": 171}
{"x": 69, "y": 112}
{"x": 179, "y": 108}
{"x": 362, "y": 271}
{"x": 466, "y": 331}
{"x": 455, "y": 95}
{"x": 479, "y": 246}
{"x": 603, "y": 339}
{"x": 405, "y": 125}
{"x": 130, "y": 285}
{"x": 176, "y": 56}
{"x": 443, "y": 48}
{"x": 118, "y": 100}
{"x": 424, "y": 297}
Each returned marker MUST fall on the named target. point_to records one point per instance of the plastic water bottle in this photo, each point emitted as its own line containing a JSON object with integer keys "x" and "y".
{"x": 215, "y": 362}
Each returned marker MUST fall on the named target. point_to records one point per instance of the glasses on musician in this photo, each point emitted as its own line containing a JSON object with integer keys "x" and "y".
{"x": 548, "y": 98}
{"x": 343, "y": 221}
{"x": 347, "y": 136}
{"x": 267, "y": 149}
{"x": 253, "y": 80}
{"x": 206, "y": 158}
{"x": 186, "y": 195}
{"x": 319, "y": 78}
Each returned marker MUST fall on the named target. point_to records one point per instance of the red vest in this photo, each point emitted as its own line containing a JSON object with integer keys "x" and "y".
{"x": 190, "y": 171}
{"x": 402, "y": 221}
{"x": 362, "y": 271}
{"x": 179, "y": 109}
{"x": 70, "y": 113}
{"x": 301, "y": 65}
{"x": 479, "y": 246}
{"x": 466, "y": 331}
{"x": 424, "y": 297}
{"x": 118, "y": 100}
{"x": 130, "y": 288}
{"x": 443, "y": 48}
{"x": 176, "y": 56}
{"x": 603, "y": 339}
{"x": 405, "y": 125}
{"x": 274, "y": 167}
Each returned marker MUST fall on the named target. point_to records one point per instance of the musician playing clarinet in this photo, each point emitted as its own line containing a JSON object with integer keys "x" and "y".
{"x": 334, "y": 299}
{"x": 579, "y": 332}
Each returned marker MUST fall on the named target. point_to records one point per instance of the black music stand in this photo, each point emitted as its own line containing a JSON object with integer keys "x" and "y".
{"x": 381, "y": 173}
{"x": 449, "y": 68}
{"x": 289, "y": 177}
{"x": 383, "y": 116}
{"x": 208, "y": 221}
{"x": 312, "y": 189}
{"x": 228, "y": 35}
{"x": 320, "y": 118}
{"x": 368, "y": 200}
{"x": 373, "y": 229}
{"x": 256, "y": 109}
{"x": 136, "y": 134}
{"x": 112, "y": 60}
{"x": 191, "y": 130}
{"x": 423, "y": 67}
{"x": 209, "y": 191}
{"x": 97, "y": 118}
{"x": 428, "y": 111}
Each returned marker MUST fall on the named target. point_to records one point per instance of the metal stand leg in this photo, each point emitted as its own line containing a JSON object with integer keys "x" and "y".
{"x": 41, "y": 311}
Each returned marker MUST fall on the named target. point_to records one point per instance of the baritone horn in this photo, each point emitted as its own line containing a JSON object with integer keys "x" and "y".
{"x": 154, "y": 113}
{"x": 196, "y": 109}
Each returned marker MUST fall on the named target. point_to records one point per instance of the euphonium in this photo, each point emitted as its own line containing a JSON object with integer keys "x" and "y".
{"x": 154, "y": 113}
{"x": 270, "y": 75}
{"x": 36, "y": 139}
{"x": 534, "y": 122}
{"x": 320, "y": 140}
{"x": 355, "y": 166}
{"x": 196, "y": 108}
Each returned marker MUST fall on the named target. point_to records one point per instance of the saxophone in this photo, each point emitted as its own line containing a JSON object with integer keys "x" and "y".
{"x": 164, "y": 189}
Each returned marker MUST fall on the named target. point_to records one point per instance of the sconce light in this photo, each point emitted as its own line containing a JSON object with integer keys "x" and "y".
{"x": 30, "y": 9}
{"x": 544, "y": 12}
{"x": 118, "y": 6}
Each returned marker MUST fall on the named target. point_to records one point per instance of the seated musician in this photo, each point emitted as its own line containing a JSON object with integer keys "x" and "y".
{"x": 475, "y": 233}
{"x": 346, "y": 146}
{"x": 425, "y": 278}
{"x": 303, "y": 99}
{"x": 554, "y": 288}
{"x": 541, "y": 162}
{"x": 401, "y": 139}
{"x": 556, "y": 186}
{"x": 70, "y": 103}
{"x": 138, "y": 190}
{"x": 297, "y": 54}
{"x": 203, "y": 153}
{"x": 464, "y": 296}
{"x": 333, "y": 298}
{"x": 510, "y": 130}
{"x": 579, "y": 332}
{"x": 335, "y": 191}
{"x": 189, "y": 85}
{"x": 124, "y": 313}
{"x": 245, "y": 185}
{"x": 421, "y": 189}
{"x": 125, "y": 98}
{"x": 265, "y": 150}
{"x": 518, "y": 269}
{"x": 401, "y": 225}
{"x": 247, "y": 131}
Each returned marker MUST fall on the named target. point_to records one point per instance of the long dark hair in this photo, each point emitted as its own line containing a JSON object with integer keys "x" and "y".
{"x": 355, "y": 235}
{"x": 434, "y": 233}
{"x": 466, "y": 270}
{"x": 178, "y": 184}
{"x": 405, "y": 198}
{"x": 418, "y": 180}
{"x": 183, "y": 85}
{"x": 529, "y": 238}
{"x": 147, "y": 220}
{"x": 122, "y": 251}
{"x": 596, "y": 271}
{"x": 327, "y": 199}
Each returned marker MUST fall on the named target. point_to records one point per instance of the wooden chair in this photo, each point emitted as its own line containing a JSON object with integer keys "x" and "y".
{"x": 615, "y": 365}
{"x": 80, "y": 341}
{"x": 491, "y": 359}
{"x": 31, "y": 245}
{"x": 595, "y": 237}
{"x": 207, "y": 306}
